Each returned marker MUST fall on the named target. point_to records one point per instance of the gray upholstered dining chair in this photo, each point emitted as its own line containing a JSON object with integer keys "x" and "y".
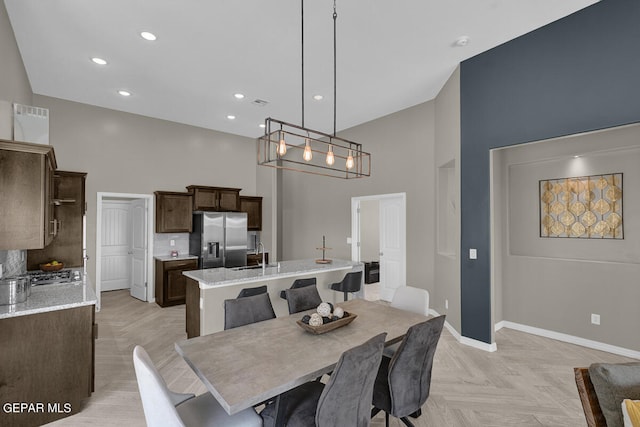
{"x": 299, "y": 283}
{"x": 352, "y": 282}
{"x": 344, "y": 401}
{"x": 164, "y": 408}
{"x": 301, "y": 299}
{"x": 404, "y": 381}
{"x": 242, "y": 311}
{"x": 249, "y": 292}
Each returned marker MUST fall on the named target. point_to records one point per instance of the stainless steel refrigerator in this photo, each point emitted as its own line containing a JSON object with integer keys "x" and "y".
{"x": 219, "y": 239}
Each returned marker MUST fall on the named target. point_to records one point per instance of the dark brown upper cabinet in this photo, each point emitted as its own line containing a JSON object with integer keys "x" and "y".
{"x": 173, "y": 212}
{"x": 220, "y": 199}
{"x": 253, "y": 207}
{"x": 26, "y": 195}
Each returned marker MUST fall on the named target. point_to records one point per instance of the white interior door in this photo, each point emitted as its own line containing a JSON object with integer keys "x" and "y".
{"x": 392, "y": 246}
{"x": 116, "y": 246}
{"x": 139, "y": 249}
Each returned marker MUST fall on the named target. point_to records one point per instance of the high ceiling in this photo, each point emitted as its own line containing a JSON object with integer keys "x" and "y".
{"x": 390, "y": 55}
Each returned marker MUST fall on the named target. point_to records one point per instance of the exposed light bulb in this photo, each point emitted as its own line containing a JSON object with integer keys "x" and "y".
{"x": 330, "y": 159}
{"x": 307, "y": 155}
{"x": 282, "y": 146}
{"x": 349, "y": 161}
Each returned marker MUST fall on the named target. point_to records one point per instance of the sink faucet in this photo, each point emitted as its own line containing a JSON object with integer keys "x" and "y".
{"x": 258, "y": 251}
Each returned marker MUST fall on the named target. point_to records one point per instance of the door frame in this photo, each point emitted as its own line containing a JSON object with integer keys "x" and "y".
{"x": 355, "y": 227}
{"x": 149, "y": 198}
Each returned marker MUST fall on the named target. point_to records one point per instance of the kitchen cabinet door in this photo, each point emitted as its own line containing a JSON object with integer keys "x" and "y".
{"x": 229, "y": 200}
{"x": 173, "y": 212}
{"x": 26, "y": 195}
{"x": 253, "y": 207}
{"x": 219, "y": 199}
{"x": 170, "y": 282}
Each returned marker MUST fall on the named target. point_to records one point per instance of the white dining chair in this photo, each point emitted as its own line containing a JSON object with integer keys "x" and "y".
{"x": 164, "y": 408}
{"x": 411, "y": 299}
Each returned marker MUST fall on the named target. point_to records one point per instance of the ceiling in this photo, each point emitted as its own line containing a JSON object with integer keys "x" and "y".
{"x": 390, "y": 55}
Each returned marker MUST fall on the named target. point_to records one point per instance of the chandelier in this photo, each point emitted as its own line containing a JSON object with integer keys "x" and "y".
{"x": 297, "y": 148}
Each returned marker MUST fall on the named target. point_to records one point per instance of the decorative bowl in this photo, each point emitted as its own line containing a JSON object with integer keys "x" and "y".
{"x": 45, "y": 267}
{"x": 348, "y": 318}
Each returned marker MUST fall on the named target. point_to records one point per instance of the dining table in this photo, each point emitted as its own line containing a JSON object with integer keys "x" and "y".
{"x": 246, "y": 366}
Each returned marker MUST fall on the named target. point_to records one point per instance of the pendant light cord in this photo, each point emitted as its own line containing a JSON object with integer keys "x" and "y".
{"x": 302, "y": 53}
{"x": 335, "y": 16}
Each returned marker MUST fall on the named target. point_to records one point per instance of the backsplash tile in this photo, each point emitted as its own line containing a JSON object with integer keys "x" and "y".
{"x": 162, "y": 243}
{"x": 14, "y": 262}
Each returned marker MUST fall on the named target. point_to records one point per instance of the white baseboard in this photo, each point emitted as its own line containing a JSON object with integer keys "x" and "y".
{"x": 596, "y": 345}
{"x": 464, "y": 340}
{"x": 540, "y": 332}
{"x": 481, "y": 345}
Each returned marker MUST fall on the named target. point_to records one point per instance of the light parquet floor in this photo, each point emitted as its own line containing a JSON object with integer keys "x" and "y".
{"x": 527, "y": 382}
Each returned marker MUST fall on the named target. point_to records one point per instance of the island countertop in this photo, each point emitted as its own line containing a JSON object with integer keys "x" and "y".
{"x": 220, "y": 277}
{"x": 52, "y": 297}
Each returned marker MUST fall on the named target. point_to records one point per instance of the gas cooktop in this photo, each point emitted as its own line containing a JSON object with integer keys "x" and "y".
{"x": 52, "y": 277}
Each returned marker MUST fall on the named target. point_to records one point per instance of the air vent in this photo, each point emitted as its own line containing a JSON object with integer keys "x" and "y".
{"x": 260, "y": 102}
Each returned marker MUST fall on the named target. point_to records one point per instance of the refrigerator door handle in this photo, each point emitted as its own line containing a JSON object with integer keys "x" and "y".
{"x": 214, "y": 249}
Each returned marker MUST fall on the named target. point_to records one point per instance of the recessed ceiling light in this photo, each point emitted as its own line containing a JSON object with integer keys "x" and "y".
{"x": 148, "y": 36}
{"x": 462, "y": 41}
{"x": 261, "y": 125}
{"x": 124, "y": 92}
{"x": 238, "y": 95}
{"x": 318, "y": 97}
{"x": 576, "y": 157}
{"x": 231, "y": 117}
{"x": 99, "y": 61}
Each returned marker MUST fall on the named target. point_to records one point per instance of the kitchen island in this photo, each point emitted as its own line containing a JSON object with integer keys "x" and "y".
{"x": 48, "y": 353}
{"x": 207, "y": 289}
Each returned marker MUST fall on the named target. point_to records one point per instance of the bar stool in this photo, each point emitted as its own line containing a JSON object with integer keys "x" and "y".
{"x": 352, "y": 282}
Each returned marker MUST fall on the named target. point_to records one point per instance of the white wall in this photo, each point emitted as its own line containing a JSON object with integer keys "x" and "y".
{"x": 401, "y": 147}
{"x": 127, "y": 153}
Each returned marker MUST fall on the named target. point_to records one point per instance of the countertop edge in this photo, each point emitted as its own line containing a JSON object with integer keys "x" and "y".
{"x": 319, "y": 268}
{"x": 77, "y": 295}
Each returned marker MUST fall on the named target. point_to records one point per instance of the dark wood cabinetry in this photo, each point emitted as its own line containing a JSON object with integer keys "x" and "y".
{"x": 26, "y": 195}
{"x": 69, "y": 208}
{"x": 170, "y": 282}
{"x": 192, "y": 310}
{"x": 256, "y": 259}
{"x": 215, "y": 198}
{"x": 173, "y": 212}
{"x": 253, "y": 207}
{"x": 47, "y": 357}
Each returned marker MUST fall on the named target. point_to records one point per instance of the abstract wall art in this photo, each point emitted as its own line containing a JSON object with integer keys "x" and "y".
{"x": 586, "y": 207}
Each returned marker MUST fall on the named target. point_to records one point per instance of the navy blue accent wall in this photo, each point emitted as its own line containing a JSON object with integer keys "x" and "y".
{"x": 577, "y": 74}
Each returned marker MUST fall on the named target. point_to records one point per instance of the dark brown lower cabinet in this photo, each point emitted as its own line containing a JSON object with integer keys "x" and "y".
{"x": 193, "y": 308}
{"x": 170, "y": 282}
{"x": 46, "y": 362}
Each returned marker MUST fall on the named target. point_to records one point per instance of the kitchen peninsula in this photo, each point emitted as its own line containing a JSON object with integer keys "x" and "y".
{"x": 207, "y": 289}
